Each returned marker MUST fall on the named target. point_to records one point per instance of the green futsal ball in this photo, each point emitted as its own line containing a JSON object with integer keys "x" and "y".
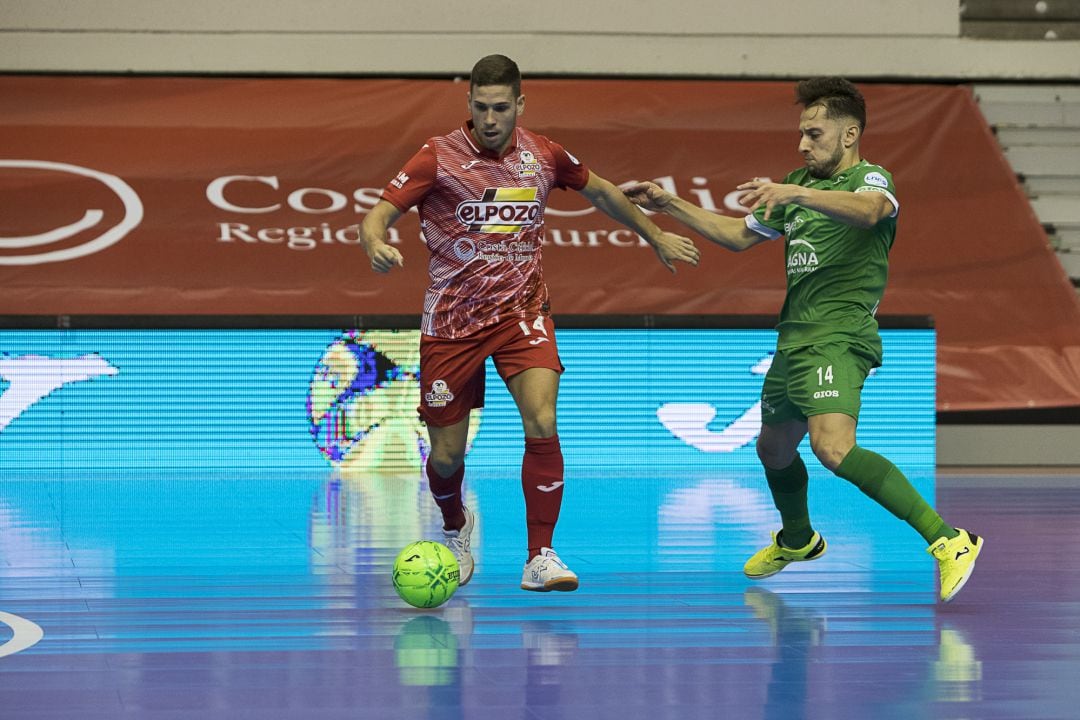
{"x": 426, "y": 574}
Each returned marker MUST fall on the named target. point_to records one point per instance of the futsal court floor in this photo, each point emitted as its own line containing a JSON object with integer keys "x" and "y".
{"x": 270, "y": 597}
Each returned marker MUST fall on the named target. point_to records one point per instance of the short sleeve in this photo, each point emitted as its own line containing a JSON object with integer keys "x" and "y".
{"x": 414, "y": 181}
{"x": 874, "y": 178}
{"x": 569, "y": 171}
{"x": 771, "y": 228}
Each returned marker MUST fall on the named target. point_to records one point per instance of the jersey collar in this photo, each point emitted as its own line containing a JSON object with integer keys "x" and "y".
{"x": 467, "y": 129}
{"x": 843, "y": 174}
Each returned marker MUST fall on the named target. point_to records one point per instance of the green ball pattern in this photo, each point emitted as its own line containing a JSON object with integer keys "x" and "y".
{"x": 426, "y": 574}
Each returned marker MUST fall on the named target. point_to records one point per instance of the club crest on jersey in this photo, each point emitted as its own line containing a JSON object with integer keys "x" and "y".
{"x": 528, "y": 167}
{"x": 503, "y": 210}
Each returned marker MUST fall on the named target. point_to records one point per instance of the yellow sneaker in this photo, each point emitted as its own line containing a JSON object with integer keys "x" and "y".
{"x": 956, "y": 560}
{"x": 774, "y": 557}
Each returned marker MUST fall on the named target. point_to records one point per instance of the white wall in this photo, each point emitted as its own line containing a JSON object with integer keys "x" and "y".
{"x": 722, "y": 38}
{"x": 1008, "y": 445}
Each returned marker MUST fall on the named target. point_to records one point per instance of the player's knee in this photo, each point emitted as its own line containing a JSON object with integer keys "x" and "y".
{"x": 541, "y": 424}
{"x": 774, "y": 455}
{"x": 446, "y": 461}
{"x": 830, "y": 452}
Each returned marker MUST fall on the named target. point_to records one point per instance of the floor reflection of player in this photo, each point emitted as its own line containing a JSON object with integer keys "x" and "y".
{"x": 957, "y": 670}
{"x": 795, "y": 631}
{"x": 945, "y": 670}
{"x": 428, "y": 653}
{"x": 549, "y": 646}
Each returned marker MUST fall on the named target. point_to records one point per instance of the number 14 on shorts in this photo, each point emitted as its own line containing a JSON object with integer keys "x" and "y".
{"x": 824, "y": 375}
{"x": 538, "y": 324}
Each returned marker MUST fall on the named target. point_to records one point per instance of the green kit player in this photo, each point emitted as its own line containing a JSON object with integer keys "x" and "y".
{"x": 838, "y": 217}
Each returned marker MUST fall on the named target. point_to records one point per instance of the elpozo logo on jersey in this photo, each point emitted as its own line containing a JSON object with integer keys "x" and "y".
{"x": 503, "y": 210}
{"x": 63, "y": 191}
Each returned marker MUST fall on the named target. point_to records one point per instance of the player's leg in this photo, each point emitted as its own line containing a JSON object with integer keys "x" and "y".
{"x": 830, "y": 395}
{"x": 451, "y": 385}
{"x": 528, "y": 361}
{"x": 446, "y": 470}
{"x": 783, "y": 428}
{"x": 778, "y": 450}
{"x": 826, "y": 383}
{"x": 832, "y": 438}
{"x": 535, "y": 391}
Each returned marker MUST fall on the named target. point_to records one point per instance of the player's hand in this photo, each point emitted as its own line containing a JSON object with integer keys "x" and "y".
{"x": 648, "y": 195}
{"x": 770, "y": 194}
{"x": 670, "y": 248}
{"x": 384, "y": 257}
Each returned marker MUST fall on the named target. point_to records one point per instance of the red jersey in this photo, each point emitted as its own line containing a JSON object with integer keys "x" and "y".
{"x": 482, "y": 219}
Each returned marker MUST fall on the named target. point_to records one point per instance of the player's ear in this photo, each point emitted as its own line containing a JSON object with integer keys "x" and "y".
{"x": 851, "y": 135}
{"x": 521, "y": 105}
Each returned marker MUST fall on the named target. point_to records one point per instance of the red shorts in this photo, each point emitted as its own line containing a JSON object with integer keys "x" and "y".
{"x": 452, "y": 371}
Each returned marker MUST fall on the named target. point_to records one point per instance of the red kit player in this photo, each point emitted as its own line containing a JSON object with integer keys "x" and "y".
{"x": 481, "y": 191}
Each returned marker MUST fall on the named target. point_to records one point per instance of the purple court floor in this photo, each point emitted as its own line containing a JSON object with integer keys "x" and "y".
{"x": 257, "y": 598}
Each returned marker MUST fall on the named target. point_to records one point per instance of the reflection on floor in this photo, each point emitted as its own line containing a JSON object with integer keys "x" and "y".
{"x": 270, "y": 598}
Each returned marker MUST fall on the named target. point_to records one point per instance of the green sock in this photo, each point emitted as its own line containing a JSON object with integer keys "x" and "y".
{"x": 884, "y": 483}
{"x": 788, "y": 488}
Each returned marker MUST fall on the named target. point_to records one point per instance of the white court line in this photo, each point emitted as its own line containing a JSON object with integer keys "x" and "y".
{"x": 26, "y": 634}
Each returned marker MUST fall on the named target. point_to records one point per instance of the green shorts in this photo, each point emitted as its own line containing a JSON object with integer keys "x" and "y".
{"x": 815, "y": 380}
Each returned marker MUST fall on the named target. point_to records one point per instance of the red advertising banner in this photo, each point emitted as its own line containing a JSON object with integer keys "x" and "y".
{"x": 243, "y": 197}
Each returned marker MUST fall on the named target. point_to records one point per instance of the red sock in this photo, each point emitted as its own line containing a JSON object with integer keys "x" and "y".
{"x": 447, "y": 494}
{"x": 542, "y": 482}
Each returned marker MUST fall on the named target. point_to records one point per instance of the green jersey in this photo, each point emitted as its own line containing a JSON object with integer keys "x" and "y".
{"x": 836, "y": 273}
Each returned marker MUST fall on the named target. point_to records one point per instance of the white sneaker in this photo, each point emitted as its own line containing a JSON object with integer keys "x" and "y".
{"x": 547, "y": 572}
{"x": 458, "y": 542}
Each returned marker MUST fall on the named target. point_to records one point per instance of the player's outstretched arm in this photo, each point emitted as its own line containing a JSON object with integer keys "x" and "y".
{"x": 373, "y": 236}
{"x": 669, "y": 247}
{"x": 725, "y": 231}
{"x": 862, "y": 210}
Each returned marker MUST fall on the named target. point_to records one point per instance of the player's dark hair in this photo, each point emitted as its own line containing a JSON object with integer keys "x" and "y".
{"x": 838, "y": 96}
{"x": 496, "y": 70}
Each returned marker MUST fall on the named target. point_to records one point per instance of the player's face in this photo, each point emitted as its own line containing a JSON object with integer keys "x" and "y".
{"x": 822, "y": 141}
{"x": 494, "y": 111}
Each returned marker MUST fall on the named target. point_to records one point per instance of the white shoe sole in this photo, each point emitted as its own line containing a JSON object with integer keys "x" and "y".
{"x": 566, "y": 584}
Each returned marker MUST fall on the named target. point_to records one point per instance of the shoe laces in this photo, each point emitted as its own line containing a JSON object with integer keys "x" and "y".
{"x": 457, "y": 544}
{"x": 549, "y": 554}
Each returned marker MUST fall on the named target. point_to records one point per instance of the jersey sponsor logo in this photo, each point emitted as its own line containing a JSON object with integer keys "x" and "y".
{"x": 502, "y": 210}
{"x": 464, "y": 249}
{"x": 801, "y": 261}
{"x": 515, "y": 251}
{"x": 400, "y": 180}
{"x": 876, "y": 178}
{"x": 440, "y": 394}
{"x": 793, "y": 225}
{"x": 528, "y": 167}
